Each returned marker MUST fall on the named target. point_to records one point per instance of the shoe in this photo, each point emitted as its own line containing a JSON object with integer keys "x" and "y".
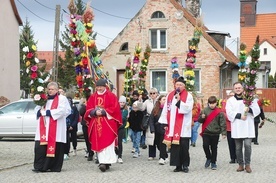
{"x": 232, "y": 161}
{"x": 248, "y": 169}
{"x": 185, "y": 169}
{"x": 167, "y": 160}
{"x": 90, "y": 158}
{"x": 151, "y": 158}
{"x": 240, "y": 169}
{"x": 193, "y": 144}
{"x": 120, "y": 160}
{"x": 37, "y": 171}
{"x": 133, "y": 151}
{"x": 144, "y": 146}
{"x": 256, "y": 143}
{"x": 207, "y": 163}
{"x": 161, "y": 161}
{"x": 213, "y": 166}
{"x": 135, "y": 155}
{"x": 86, "y": 154}
{"x": 102, "y": 167}
{"x": 177, "y": 169}
{"x": 139, "y": 154}
{"x": 75, "y": 152}
{"x": 66, "y": 157}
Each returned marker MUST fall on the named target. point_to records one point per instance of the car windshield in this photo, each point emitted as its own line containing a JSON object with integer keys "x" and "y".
{"x": 18, "y": 107}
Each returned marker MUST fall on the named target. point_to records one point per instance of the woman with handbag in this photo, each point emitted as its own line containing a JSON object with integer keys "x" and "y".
{"x": 159, "y": 129}
{"x": 147, "y": 106}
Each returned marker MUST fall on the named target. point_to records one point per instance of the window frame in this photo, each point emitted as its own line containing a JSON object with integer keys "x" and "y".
{"x": 159, "y": 15}
{"x": 158, "y": 38}
{"x": 165, "y": 90}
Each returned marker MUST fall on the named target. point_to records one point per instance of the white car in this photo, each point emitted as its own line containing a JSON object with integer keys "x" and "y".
{"x": 18, "y": 119}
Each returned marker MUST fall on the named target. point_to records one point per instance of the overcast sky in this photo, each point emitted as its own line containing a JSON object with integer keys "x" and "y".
{"x": 111, "y": 16}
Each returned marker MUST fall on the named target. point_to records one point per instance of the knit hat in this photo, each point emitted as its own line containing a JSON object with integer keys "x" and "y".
{"x": 180, "y": 79}
{"x": 101, "y": 82}
{"x": 122, "y": 99}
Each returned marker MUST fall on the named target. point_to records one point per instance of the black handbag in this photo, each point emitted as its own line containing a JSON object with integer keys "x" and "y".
{"x": 145, "y": 122}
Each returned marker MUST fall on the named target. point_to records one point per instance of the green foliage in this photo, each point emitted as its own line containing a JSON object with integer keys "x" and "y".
{"x": 272, "y": 81}
{"x": 26, "y": 39}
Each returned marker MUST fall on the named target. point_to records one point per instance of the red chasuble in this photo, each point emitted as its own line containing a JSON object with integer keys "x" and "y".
{"x": 51, "y": 143}
{"x": 103, "y": 130}
{"x": 179, "y": 118}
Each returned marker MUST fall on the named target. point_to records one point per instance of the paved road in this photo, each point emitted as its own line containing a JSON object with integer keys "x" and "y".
{"x": 16, "y": 157}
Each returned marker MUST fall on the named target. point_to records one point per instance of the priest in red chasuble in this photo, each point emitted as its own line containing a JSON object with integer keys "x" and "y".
{"x": 104, "y": 118}
{"x": 177, "y": 114}
{"x": 50, "y": 137}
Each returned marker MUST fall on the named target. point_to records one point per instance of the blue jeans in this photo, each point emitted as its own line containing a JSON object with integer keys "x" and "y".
{"x": 136, "y": 141}
{"x": 194, "y": 132}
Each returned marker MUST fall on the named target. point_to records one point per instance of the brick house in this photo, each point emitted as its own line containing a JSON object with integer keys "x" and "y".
{"x": 46, "y": 57}
{"x": 161, "y": 18}
{"x": 9, "y": 52}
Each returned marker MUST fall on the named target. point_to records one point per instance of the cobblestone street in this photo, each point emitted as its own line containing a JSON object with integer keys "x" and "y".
{"x": 16, "y": 158}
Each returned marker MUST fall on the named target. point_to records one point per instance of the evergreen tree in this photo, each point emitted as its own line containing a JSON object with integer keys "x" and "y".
{"x": 26, "y": 39}
{"x": 272, "y": 81}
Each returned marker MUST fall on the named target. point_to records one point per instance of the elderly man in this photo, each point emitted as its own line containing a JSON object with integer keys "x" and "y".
{"x": 104, "y": 116}
{"x": 177, "y": 114}
{"x": 50, "y": 135}
{"x": 242, "y": 125}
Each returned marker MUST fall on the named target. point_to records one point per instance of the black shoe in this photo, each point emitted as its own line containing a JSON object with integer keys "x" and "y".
{"x": 177, "y": 169}
{"x": 185, "y": 169}
{"x": 232, "y": 161}
{"x": 256, "y": 143}
{"x": 96, "y": 161}
{"x": 102, "y": 167}
{"x": 207, "y": 163}
{"x": 193, "y": 144}
{"x": 89, "y": 158}
{"x": 108, "y": 166}
{"x": 37, "y": 171}
{"x": 144, "y": 146}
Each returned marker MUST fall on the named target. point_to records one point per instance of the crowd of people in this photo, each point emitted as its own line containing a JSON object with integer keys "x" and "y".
{"x": 172, "y": 123}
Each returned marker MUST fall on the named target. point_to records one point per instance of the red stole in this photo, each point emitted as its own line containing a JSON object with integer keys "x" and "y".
{"x": 168, "y": 140}
{"x": 51, "y": 144}
{"x": 102, "y": 131}
{"x": 209, "y": 119}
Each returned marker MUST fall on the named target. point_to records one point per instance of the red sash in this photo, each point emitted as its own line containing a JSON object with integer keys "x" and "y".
{"x": 51, "y": 144}
{"x": 168, "y": 140}
{"x": 209, "y": 119}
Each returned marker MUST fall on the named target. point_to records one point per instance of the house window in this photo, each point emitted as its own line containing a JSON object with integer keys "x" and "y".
{"x": 159, "y": 80}
{"x": 197, "y": 80}
{"x": 265, "y": 51}
{"x": 158, "y": 39}
{"x": 124, "y": 47}
{"x": 157, "y": 14}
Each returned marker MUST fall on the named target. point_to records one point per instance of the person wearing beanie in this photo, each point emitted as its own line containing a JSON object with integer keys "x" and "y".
{"x": 177, "y": 114}
{"x": 122, "y": 130}
{"x": 104, "y": 117}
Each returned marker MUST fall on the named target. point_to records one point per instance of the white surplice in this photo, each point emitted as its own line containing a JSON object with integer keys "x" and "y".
{"x": 241, "y": 128}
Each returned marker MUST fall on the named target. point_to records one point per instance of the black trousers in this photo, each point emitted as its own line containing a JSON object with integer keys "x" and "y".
{"x": 121, "y": 136}
{"x": 210, "y": 147}
{"x": 87, "y": 143}
{"x": 180, "y": 153}
{"x": 43, "y": 163}
{"x": 71, "y": 135}
{"x": 256, "y": 131}
{"x": 231, "y": 146}
{"x": 161, "y": 146}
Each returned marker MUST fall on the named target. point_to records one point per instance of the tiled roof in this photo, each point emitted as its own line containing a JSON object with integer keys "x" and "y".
{"x": 265, "y": 28}
{"x": 48, "y": 57}
{"x": 271, "y": 42}
{"x": 227, "y": 53}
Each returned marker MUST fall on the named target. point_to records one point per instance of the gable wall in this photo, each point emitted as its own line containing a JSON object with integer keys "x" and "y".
{"x": 178, "y": 32}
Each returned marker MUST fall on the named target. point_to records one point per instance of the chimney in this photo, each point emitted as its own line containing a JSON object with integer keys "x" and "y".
{"x": 248, "y": 13}
{"x": 193, "y": 6}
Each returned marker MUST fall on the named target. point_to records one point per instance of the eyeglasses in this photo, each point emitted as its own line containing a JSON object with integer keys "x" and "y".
{"x": 152, "y": 93}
